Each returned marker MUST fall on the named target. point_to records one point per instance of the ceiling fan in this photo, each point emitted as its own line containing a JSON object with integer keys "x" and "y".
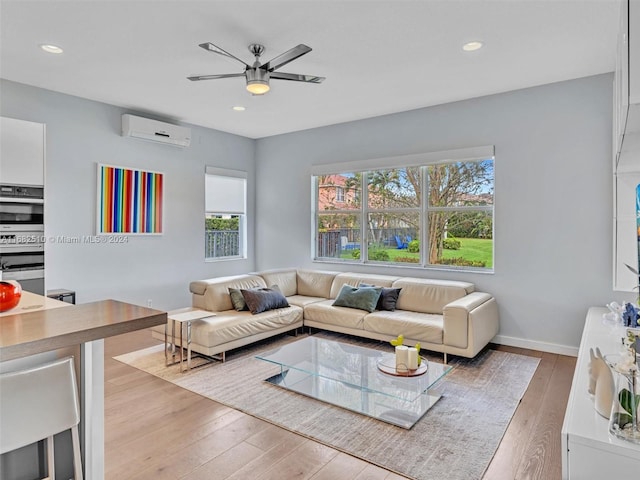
{"x": 259, "y": 74}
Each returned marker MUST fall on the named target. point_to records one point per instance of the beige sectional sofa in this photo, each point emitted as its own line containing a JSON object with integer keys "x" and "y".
{"x": 444, "y": 316}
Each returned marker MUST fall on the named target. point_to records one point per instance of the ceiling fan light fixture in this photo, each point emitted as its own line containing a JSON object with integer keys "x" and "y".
{"x": 258, "y": 74}
{"x": 258, "y": 87}
{"x": 472, "y": 46}
{"x": 50, "y": 48}
{"x": 257, "y": 80}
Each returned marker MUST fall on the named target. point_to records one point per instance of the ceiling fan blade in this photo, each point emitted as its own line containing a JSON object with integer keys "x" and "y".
{"x": 286, "y": 57}
{"x": 195, "y": 78}
{"x": 213, "y": 48}
{"x": 296, "y": 77}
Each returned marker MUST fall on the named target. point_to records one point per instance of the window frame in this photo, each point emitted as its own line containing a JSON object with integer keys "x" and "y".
{"x": 423, "y": 161}
{"x": 240, "y": 212}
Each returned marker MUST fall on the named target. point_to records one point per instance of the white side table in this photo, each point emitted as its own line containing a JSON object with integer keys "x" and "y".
{"x": 184, "y": 317}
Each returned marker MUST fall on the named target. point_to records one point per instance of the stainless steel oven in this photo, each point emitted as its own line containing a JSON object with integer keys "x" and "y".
{"x": 22, "y": 259}
{"x": 21, "y": 208}
{"x": 22, "y": 236}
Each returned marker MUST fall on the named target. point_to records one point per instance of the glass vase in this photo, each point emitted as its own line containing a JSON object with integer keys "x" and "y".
{"x": 624, "y": 422}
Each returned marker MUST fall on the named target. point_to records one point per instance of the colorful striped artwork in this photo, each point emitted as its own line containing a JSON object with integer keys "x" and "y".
{"x": 129, "y": 201}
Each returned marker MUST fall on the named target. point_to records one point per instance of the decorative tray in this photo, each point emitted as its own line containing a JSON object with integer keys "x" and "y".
{"x": 388, "y": 365}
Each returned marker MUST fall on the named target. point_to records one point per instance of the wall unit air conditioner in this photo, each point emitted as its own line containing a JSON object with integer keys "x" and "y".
{"x": 155, "y": 131}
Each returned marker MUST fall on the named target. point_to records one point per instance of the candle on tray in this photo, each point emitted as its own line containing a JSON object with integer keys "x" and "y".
{"x": 402, "y": 358}
{"x": 412, "y": 362}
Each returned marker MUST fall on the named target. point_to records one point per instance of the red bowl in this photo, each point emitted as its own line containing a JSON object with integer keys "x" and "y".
{"x": 10, "y": 293}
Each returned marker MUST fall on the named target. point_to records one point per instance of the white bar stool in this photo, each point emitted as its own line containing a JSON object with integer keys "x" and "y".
{"x": 38, "y": 403}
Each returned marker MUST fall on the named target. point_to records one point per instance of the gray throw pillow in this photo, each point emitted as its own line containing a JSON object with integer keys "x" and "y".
{"x": 363, "y": 298}
{"x": 237, "y": 299}
{"x": 260, "y": 300}
{"x": 388, "y": 298}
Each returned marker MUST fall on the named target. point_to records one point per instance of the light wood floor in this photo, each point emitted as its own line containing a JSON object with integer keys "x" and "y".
{"x": 157, "y": 430}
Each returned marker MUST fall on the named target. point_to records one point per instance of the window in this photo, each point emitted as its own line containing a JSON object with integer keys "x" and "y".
{"x": 435, "y": 214}
{"x": 225, "y": 214}
{"x": 339, "y": 194}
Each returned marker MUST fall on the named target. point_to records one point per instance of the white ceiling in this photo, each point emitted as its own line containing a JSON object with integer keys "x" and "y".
{"x": 379, "y": 57}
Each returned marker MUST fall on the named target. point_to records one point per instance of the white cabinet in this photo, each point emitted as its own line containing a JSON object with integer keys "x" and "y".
{"x": 21, "y": 152}
{"x": 588, "y": 451}
{"x": 626, "y": 146}
{"x": 626, "y": 112}
{"x": 621, "y": 81}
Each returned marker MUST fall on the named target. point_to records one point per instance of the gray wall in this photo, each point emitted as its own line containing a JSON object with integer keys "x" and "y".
{"x": 553, "y": 194}
{"x": 553, "y": 211}
{"x": 83, "y": 133}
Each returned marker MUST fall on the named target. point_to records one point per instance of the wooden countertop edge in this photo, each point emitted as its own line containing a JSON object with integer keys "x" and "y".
{"x": 25, "y": 349}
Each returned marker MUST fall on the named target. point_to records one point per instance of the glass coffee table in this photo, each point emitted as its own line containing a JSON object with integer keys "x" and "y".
{"x": 352, "y": 377}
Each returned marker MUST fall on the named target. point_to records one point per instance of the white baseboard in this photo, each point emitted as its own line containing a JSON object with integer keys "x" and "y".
{"x": 535, "y": 345}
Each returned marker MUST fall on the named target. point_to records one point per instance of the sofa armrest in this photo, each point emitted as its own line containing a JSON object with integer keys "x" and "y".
{"x": 478, "y": 308}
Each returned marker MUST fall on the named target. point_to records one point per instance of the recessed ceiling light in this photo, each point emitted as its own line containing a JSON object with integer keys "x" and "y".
{"x": 471, "y": 46}
{"x": 51, "y": 48}
{"x": 239, "y": 108}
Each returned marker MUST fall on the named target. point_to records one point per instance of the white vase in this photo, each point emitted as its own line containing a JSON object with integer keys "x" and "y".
{"x": 601, "y": 383}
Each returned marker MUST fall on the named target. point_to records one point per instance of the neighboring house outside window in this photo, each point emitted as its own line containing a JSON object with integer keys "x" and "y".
{"x": 225, "y": 214}
{"x": 437, "y": 214}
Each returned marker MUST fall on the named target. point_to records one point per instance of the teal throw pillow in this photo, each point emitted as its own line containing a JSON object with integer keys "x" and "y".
{"x": 363, "y": 298}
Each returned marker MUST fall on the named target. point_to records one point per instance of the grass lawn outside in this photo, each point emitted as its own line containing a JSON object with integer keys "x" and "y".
{"x": 473, "y": 249}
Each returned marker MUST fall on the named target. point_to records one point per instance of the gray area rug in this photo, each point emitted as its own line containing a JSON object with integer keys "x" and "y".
{"x": 456, "y": 439}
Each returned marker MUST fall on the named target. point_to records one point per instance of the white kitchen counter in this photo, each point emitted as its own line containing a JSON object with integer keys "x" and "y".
{"x": 31, "y": 302}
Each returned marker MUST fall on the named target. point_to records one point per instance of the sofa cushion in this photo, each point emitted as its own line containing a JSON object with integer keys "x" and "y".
{"x": 355, "y": 279}
{"x": 200, "y": 286}
{"x": 303, "y": 300}
{"x": 315, "y": 283}
{"x": 263, "y": 299}
{"x": 423, "y": 327}
{"x": 429, "y": 296}
{"x": 231, "y": 325}
{"x": 364, "y": 298}
{"x": 215, "y": 296}
{"x": 286, "y": 279}
{"x": 325, "y": 312}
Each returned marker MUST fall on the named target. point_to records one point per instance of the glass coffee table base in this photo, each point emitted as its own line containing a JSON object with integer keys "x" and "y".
{"x": 391, "y": 409}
